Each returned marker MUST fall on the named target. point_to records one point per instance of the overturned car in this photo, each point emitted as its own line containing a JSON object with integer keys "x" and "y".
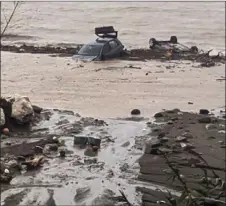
{"x": 172, "y": 45}
{"x": 106, "y": 46}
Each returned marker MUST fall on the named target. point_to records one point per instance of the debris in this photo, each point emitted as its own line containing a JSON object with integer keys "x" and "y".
{"x": 204, "y": 111}
{"x": 34, "y": 163}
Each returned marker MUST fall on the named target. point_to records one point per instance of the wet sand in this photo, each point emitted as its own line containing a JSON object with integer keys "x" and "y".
{"x": 108, "y": 89}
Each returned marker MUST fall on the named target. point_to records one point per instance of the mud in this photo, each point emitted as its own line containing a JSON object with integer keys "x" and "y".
{"x": 78, "y": 179}
{"x": 133, "y": 55}
{"x": 193, "y": 143}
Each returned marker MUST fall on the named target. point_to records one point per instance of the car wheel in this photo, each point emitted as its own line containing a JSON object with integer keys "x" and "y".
{"x": 152, "y": 43}
{"x": 173, "y": 39}
{"x": 194, "y": 49}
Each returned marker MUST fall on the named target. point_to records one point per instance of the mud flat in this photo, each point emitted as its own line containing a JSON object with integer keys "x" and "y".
{"x": 183, "y": 151}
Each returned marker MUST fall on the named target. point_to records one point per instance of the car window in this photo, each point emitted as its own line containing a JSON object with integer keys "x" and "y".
{"x": 106, "y": 48}
{"x": 113, "y": 44}
{"x": 90, "y": 50}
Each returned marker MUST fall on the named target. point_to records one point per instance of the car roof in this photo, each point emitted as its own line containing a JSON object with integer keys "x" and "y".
{"x": 100, "y": 41}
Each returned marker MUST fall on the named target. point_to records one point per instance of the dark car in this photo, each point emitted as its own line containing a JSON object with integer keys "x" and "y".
{"x": 107, "y": 46}
{"x": 171, "y": 45}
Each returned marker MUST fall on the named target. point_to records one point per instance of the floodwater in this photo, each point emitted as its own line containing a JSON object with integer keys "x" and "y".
{"x": 199, "y": 23}
{"x": 109, "y": 89}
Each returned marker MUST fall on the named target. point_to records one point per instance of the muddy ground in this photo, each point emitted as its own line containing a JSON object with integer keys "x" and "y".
{"x": 81, "y": 178}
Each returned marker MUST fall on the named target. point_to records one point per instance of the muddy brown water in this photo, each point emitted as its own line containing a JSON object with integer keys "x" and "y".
{"x": 116, "y": 167}
{"x": 107, "y": 89}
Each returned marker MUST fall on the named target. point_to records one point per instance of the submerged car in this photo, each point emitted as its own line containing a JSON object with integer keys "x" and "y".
{"x": 171, "y": 45}
{"x": 106, "y": 46}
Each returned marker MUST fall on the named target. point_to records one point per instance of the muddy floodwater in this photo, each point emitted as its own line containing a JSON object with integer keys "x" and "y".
{"x": 107, "y": 90}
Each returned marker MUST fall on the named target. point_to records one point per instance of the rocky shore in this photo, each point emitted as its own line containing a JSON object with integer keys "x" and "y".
{"x": 182, "y": 151}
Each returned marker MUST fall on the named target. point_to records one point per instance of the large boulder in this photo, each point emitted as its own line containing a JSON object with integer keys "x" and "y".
{"x": 2, "y": 118}
{"x": 22, "y": 110}
{"x": 18, "y": 108}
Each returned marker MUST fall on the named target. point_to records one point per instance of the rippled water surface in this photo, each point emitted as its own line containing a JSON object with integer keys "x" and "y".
{"x": 200, "y": 23}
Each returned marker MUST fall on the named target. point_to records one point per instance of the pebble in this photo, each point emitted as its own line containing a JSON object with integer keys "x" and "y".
{"x": 5, "y": 131}
{"x": 181, "y": 139}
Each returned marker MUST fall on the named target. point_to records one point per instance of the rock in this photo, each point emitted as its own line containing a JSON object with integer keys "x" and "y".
{"x": 161, "y": 134}
{"x": 190, "y": 102}
{"x": 135, "y": 112}
{"x": 170, "y": 122}
{"x": 186, "y": 146}
{"x": 37, "y": 109}
{"x": 205, "y": 120}
{"x": 90, "y": 161}
{"x": 62, "y": 153}
{"x": 22, "y": 110}
{"x": 5, "y": 131}
{"x": 181, "y": 139}
{"x": 50, "y": 147}
{"x": 5, "y": 178}
{"x": 158, "y": 115}
{"x": 152, "y": 145}
{"x": 211, "y": 126}
{"x": 2, "y": 118}
{"x": 204, "y": 111}
{"x": 124, "y": 167}
{"x": 164, "y": 139}
{"x": 187, "y": 135}
{"x": 126, "y": 144}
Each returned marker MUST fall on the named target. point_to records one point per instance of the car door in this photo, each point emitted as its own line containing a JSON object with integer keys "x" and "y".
{"x": 114, "y": 48}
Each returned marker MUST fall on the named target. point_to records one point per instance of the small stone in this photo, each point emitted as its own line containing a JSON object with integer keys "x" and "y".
{"x": 135, "y": 112}
{"x": 158, "y": 115}
{"x": 211, "y": 137}
{"x": 161, "y": 134}
{"x": 174, "y": 119}
{"x": 62, "y": 153}
{"x": 6, "y": 131}
{"x": 164, "y": 139}
{"x": 187, "y": 135}
{"x": 181, "y": 139}
{"x": 170, "y": 122}
{"x": 126, "y": 144}
{"x": 221, "y": 142}
{"x": 8, "y": 143}
{"x": 204, "y": 111}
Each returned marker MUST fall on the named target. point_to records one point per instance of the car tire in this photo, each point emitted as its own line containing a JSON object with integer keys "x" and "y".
{"x": 152, "y": 43}
{"x": 173, "y": 39}
{"x": 194, "y": 49}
